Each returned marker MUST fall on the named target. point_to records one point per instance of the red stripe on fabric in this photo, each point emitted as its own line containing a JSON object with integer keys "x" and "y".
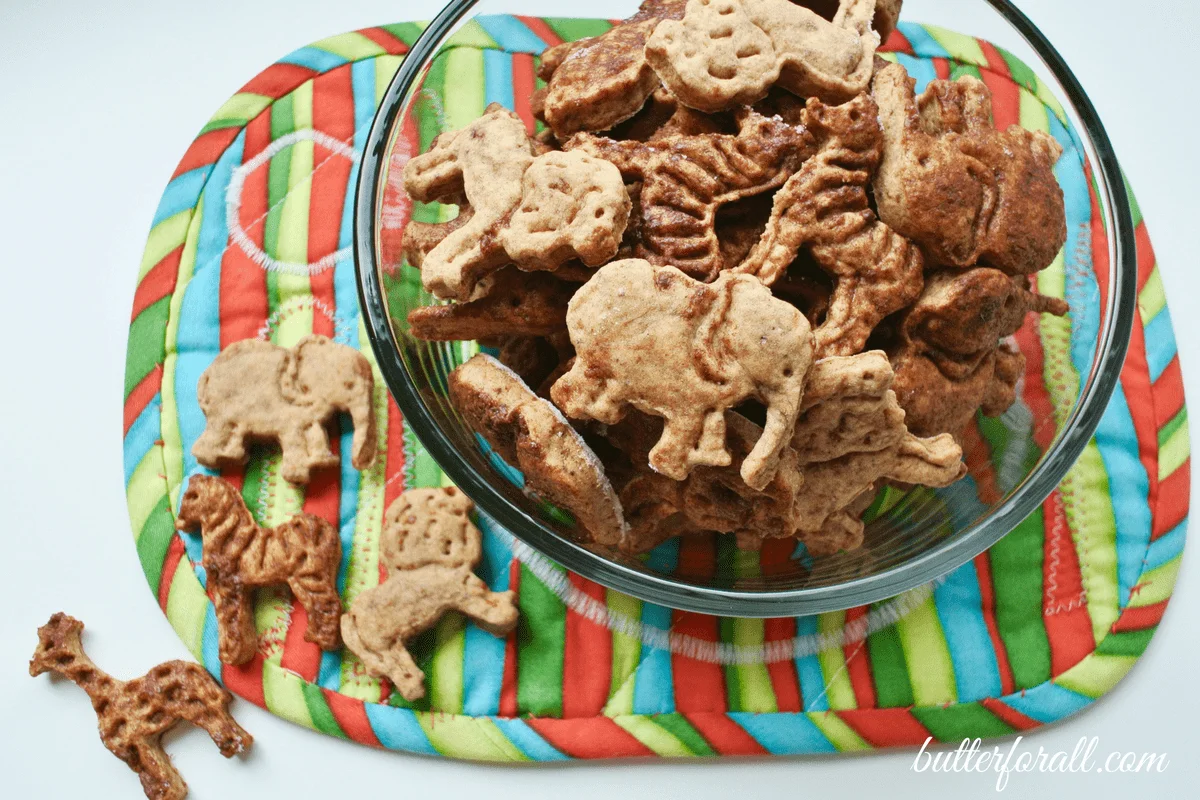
{"x": 897, "y": 43}
{"x": 541, "y": 30}
{"x": 351, "y": 717}
{"x": 1172, "y": 507}
{"x": 1006, "y": 99}
{"x": 524, "y": 83}
{"x": 246, "y": 681}
{"x": 697, "y": 556}
{"x": 508, "y": 681}
{"x": 1009, "y": 715}
{"x": 1037, "y": 396}
{"x": 158, "y": 282}
{"x": 591, "y": 737}
{"x": 587, "y": 658}
{"x": 858, "y": 665}
{"x": 395, "y": 464}
{"x": 699, "y": 686}
{"x": 396, "y": 203}
{"x": 243, "y": 291}
{"x": 995, "y": 61}
{"x": 886, "y": 727}
{"x": 775, "y": 558}
{"x": 941, "y": 66}
{"x": 300, "y": 656}
{"x": 141, "y": 395}
{"x": 784, "y": 680}
{"x": 278, "y": 79}
{"x": 987, "y": 591}
{"x": 1168, "y": 393}
{"x": 1068, "y": 625}
{"x": 333, "y": 114}
{"x": 387, "y": 41}
{"x": 1140, "y": 618}
{"x": 724, "y": 735}
{"x": 175, "y": 552}
{"x": 1145, "y": 254}
{"x": 977, "y": 452}
{"x": 205, "y": 150}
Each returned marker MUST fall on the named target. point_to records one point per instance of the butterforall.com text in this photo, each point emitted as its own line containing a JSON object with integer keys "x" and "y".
{"x": 970, "y": 756}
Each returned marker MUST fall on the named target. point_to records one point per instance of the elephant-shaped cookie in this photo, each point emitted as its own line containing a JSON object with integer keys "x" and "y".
{"x": 258, "y": 390}
{"x": 673, "y": 347}
{"x": 430, "y": 548}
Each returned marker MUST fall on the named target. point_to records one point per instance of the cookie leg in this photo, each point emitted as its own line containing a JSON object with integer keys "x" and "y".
{"x": 316, "y": 441}
{"x": 495, "y": 612}
{"x": 160, "y": 780}
{"x": 237, "y": 639}
{"x": 296, "y": 464}
{"x": 680, "y": 448}
{"x": 395, "y": 664}
{"x": 318, "y": 594}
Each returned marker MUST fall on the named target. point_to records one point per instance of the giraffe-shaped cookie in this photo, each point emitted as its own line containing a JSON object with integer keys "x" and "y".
{"x": 133, "y": 715}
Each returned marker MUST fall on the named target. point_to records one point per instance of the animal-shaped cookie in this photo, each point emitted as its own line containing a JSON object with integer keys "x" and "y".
{"x": 537, "y": 211}
{"x": 595, "y": 83}
{"x": 255, "y": 390}
{"x": 239, "y": 556}
{"x": 516, "y": 304}
{"x": 430, "y": 548}
{"x": 654, "y": 339}
{"x": 529, "y": 433}
{"x": 687, "y": 179}
{"x": 825, "y": 205}
{"x": 725, "y": 53}
{"x": 965, "y": 192}
{"x": 133, "y": 715}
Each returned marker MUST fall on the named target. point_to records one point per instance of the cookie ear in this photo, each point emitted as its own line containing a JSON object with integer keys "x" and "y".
{"x": 289, "y": 377}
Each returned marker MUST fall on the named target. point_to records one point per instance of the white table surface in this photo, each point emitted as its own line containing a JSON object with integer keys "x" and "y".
{"x": 98, "y": 101}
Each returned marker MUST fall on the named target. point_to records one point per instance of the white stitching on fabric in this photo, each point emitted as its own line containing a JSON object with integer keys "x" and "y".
{"x": 341, "y": 325}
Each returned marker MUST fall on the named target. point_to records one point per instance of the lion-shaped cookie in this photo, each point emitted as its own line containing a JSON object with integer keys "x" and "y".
{"x": 430, "y": 548}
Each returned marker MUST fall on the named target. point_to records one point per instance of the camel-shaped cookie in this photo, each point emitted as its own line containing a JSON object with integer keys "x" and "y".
{"x": 965, "y": 192}
{"x": 239, "y": 556}
{"x": 258, "y": 390}
{"x": 133, "y": 715}
{"x": 687, "y": 179}
{"x": 429, "y": 547}
{"x": 537, "y": 211}
{"x": 726, "y": 53}
{"x": 825, "y": 205}
{"x": 654, "y": 339}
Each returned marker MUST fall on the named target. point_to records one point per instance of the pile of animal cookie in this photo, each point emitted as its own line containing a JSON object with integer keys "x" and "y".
{"x": 742, "y": 277}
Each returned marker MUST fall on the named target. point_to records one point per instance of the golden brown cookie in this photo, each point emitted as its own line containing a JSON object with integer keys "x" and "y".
{"x": 529, "y": 433}
{"x": 672, "y": 347}
{"x": 430, "y": 548}
{"x": 516, "y": 304}
{"x": 725, "y": 53}
{"x": 133, "y": 715}
{"x": 825, "y": 205}
{"x": 687, "y": 179}
{"x": 965, "y": 192}
{"x": 537, "y": 211}
{"x": 255, "y": 390}
{"x": 239, "y": 556}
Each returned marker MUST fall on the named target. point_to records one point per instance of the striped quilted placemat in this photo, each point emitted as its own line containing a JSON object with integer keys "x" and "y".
{"x": 252, "y": 239}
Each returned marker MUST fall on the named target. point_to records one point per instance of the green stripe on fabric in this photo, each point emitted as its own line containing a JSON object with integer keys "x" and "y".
{"x": 385, "y": 69}
{"x": 1156, "y": 586}
{"x": 626, "y": 654}
{"x": 541, "y": 634}
{"x": 961, "y": 721}
{"x": 748, "y": 686}
{"x": 838, "y": 689}
{"x": 154, "y": 540}
{"x": 252, "y": 485}
{"x": 1087, "y": 501}
{"x": 658, "y": 739}
{"x": 1171, "y": 427}
{"x": 406, "y": 32}
{"x": 187, "y": 606}
{"x": 164, "y": 238}
{"x": 421, "y": 647}
{"x": 1153, "y": 297}
{"x": 464, "y": 71}
{"x": 1021, "y": 73}
{"x": 960, "y": 46}
{"x": 319, "y": 711}
{"x": 470, "y": 738}
{"x": 145, "y": 490}
{"x": 927, "y": 655}
{"x": 445, "y": 673}
{"x": 352, "y": 46}
{"x": 471, "y": 36}
{"x": 1126, "y": 643}
{"x": 1134, "y": 207}
{"x": 889, "y": 669}
{"x": 1017, "y": 562}
{"x": 570, "y": 30}
{"x": 958, "y": 70}
{"x": 1174, "y": 452}
{"x": 677, "y": 725}
{"x": 243, "y": 106}
{"x": 146, "y": 349}
{"x": 224, "y": 123}
{"x": 284, "y": 695}
{"x": 1096, "y": 675}
{"x": 840, "y": 735}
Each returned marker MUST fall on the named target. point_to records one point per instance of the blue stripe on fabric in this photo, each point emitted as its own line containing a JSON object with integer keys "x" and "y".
{"x": 329, "y": 673}
{"x": 924, "y": 45}
{"x": 784, "y": 734}
{"x": 527, "y": 740}
{"x": 1160, "y": 344}
{"x": 498, "y": 78}
{"x": 511, "y": 34}
{"x": 653, "y": 688}
{"x": 142, "y": 435}
{"x": 398, "y": 729}
{"x": 808, "y": 670}
{"x": 960, "y": 610}
{"x": 199, "y": 337}
{"x": 1048, "y": 702}
{"x": 209, "y": 643}
{"x": 1167, "y": 547}
{"x": 483, "y": 654}
{"x": 313, "y": 58}
{"x": 1129, "y": 486}
{"x": 181, "y": 193}
{"x": 921, "y": 69}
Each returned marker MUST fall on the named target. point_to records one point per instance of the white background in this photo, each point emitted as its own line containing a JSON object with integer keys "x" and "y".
{"x": 98, "y": 100}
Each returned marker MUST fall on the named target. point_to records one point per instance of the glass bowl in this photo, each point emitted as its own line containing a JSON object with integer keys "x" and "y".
{"x": 912, "y": 538}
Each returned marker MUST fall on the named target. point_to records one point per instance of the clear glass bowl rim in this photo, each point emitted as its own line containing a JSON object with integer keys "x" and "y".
{"x": 662, "y": 589}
